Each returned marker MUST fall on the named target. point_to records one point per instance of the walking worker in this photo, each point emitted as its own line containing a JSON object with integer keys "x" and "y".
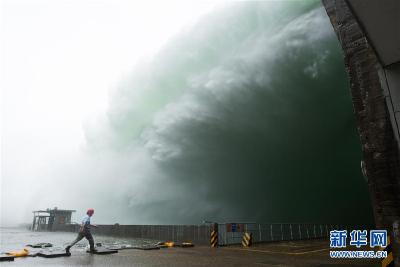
{"x": 84, "y": 231}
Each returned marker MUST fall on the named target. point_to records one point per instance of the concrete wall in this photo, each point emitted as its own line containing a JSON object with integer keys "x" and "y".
{"x": 377, "y": 135}
{"x": 375, "y": 89}
{"x": 390, "y": 80}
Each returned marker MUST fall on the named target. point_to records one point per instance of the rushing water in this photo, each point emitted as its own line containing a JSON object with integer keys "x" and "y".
{"x": 246, "y": 116}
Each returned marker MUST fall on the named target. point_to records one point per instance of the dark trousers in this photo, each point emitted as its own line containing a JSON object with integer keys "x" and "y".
{"x": 81, "y": 235}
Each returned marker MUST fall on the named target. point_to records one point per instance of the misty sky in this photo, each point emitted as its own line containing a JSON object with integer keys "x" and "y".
{"x": 177, "y": 112}
{"x": 59, "y": 61}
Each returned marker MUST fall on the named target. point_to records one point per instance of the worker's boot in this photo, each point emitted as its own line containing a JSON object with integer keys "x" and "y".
{"x": 89, "y": 237}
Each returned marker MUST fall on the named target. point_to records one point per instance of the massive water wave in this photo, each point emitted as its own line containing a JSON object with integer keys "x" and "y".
{"x": 246, "y": 116}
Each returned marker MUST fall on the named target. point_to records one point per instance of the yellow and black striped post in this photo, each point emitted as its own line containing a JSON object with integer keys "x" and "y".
{"x": 214, "y": 236}
{"x": 389, "y": 260}
{"x": 247, "y": 239}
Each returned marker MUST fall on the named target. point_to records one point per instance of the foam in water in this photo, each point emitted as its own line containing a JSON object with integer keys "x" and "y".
{"x": 246, "y": 116}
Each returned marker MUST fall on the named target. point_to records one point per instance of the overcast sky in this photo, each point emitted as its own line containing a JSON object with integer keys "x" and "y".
{"x": 59, "y": 60}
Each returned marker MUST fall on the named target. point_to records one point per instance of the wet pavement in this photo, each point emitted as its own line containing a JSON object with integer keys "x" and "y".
{"x": 294, "y": 253}
{"x": 14, "y": 239}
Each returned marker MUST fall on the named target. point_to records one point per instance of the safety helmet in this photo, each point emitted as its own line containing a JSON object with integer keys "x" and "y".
{"x": 90, "y": 212}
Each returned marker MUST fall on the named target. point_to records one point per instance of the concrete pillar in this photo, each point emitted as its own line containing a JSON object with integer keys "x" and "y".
{"x": 381, "y": 161}
{"x": 396, "y": 241}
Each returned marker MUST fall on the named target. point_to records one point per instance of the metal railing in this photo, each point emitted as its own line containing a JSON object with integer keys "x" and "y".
{"x": 199, "y": 234}
{"x": 278, "y": 231}
{"x": 227, "y": 234}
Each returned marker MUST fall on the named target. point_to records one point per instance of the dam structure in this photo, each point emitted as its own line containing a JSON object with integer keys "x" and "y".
{"x": 209, "y": 123}
{"x": 369, "y": 33}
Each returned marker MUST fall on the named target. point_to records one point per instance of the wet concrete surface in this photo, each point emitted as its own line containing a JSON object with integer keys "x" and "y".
{"x": 294, "y": 253}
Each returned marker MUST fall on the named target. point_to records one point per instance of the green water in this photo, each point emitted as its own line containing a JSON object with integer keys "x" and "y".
{"x": 246, "y": 116}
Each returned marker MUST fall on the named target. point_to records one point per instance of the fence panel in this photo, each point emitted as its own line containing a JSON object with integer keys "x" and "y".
{"x": 228, "y": 233}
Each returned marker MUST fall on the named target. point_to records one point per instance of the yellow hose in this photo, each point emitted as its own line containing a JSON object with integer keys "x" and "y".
{"x": 21, "y": 253}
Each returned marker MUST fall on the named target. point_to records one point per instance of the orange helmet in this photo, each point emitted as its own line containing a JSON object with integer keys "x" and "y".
{"x": 90, "y": 212}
